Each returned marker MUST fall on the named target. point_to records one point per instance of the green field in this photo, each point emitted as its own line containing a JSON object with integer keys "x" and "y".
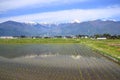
{"x": 110, "y": 47}
{"x": 107, "y": 47}
{"x": 40, "y": 41}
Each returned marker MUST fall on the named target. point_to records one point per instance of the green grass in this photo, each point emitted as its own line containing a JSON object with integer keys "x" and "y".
{"x": 29, "y": 40}
{"x": 109, "y": 47}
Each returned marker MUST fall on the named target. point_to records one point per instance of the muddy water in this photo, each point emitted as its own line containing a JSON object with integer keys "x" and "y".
{"x": 54, "y": 62}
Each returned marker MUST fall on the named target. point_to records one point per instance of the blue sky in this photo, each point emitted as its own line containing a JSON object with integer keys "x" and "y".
{"x": 58, "y": 11}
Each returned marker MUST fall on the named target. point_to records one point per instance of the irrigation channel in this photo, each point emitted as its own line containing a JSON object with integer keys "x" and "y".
{"x": 54, "y": 62}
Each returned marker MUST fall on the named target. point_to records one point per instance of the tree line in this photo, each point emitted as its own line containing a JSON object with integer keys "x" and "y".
{"x": 108, "y": 36}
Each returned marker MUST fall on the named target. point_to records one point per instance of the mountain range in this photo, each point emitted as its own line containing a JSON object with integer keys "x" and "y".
{"x": 12, "y": 28}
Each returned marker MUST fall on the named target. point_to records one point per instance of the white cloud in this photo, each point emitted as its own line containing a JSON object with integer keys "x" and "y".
{"x": 68, "y": 15}
{"x": 6, "y": 5}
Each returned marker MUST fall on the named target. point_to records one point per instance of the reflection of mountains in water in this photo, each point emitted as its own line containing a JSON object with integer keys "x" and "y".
{"x": 75, "y": 56}
{"x": 45, "y": 50}
{"x": 42, "y": 55}
{"x": 50, "y": 55}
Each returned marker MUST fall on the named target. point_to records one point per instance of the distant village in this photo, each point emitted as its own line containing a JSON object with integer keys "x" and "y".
{"x": 97, "y": 36}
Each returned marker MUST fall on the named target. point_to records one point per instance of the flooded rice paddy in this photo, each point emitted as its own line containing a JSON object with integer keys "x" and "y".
{"x": 54, "y": 62}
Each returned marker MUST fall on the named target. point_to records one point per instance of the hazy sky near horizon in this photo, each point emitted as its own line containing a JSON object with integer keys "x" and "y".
{"x": 58, "y": 11}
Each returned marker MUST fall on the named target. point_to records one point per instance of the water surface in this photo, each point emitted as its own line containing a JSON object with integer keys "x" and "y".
{"x": 54, "y": 62}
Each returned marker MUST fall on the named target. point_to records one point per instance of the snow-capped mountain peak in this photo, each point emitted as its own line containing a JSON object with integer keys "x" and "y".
{"x": 75, "y": 21}
{"x": 30, "y": 23}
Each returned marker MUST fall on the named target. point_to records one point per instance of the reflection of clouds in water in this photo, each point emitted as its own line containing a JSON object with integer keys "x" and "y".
{"x": 42, "y": 55}
{"x": 30, "y": 56}
{"x": 47, "y": 55}
{"x": 76, "y": 56}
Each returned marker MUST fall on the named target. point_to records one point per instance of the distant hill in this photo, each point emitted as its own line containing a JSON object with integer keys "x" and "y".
{"x": 91, "y": 27}
{"x": 11, "y": 28}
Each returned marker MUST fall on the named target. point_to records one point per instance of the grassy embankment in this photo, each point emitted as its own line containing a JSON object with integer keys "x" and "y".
{"x": 108, "y": 47}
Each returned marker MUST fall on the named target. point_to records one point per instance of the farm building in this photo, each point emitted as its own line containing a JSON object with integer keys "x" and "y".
{"x": 101, "y": 38}
{"x": 6, "y": 37}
